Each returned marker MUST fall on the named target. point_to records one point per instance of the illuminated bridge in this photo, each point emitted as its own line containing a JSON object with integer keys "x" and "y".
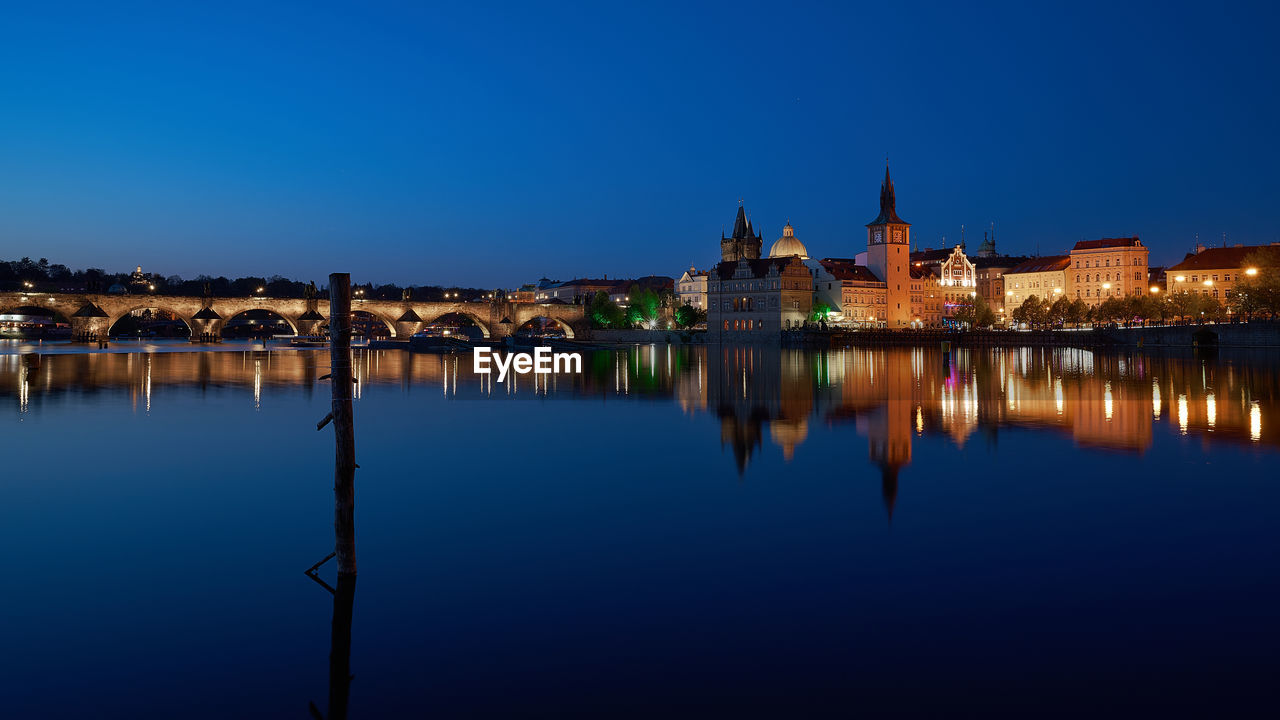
{"x": 92, "y": 315}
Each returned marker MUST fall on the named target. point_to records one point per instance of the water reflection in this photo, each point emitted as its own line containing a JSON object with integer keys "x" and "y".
{"x": 762, "y": 395}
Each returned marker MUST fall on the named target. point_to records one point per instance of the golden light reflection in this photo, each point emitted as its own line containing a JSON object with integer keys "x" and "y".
{"x": 257, "y": 384}
{"x": 1110, "y": 400}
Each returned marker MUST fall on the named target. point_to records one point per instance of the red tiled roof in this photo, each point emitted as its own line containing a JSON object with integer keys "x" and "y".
{"x": 1227, "y": 258}
{"x": 1041, "y": 264}
{"x": 1108, "y": 243}
{"x": 759, "y": 267}
{"x": 842, "y": 269}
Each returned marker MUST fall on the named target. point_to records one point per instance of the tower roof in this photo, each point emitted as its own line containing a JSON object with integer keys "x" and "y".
{"x": 888, "y": 211}
{"x": 740, "y": 225}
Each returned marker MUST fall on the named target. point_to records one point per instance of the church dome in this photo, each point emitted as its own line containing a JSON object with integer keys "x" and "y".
{"x": 788, "y": 245}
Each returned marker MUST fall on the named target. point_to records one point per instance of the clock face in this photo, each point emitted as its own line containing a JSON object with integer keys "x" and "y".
{"x": 897, "y": 236}
{"x": 879, "y": 236}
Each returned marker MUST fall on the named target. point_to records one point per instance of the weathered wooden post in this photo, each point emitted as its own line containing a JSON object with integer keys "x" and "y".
{"x": 344, "y": 435}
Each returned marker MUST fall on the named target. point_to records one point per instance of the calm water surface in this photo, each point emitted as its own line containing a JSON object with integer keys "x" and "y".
{"x": 675, "y": 532}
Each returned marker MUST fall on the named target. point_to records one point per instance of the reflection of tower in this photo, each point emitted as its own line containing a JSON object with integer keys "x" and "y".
{"x": 752, "y": 386}
{"x": 890, "y": 432}
{"x": 888, "y": 242}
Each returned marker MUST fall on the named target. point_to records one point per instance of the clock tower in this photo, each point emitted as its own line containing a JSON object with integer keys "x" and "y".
{"x": 889, "y": 256}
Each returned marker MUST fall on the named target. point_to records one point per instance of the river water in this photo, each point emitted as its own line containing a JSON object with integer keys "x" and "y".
{"x": 673, "y": 533}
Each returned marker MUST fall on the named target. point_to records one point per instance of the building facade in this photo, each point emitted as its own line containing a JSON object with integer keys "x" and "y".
{"x": 752, "y": 299}
{"x": 1043, "y": 277}
{"x": 857, "y": 297}
{"x": 1215, "y": 271}
{"x": 990, "y": 271}
{"x": 1110, "y": 267}
{"x": 691, "y": 288}
{"x": 888, "y": 256}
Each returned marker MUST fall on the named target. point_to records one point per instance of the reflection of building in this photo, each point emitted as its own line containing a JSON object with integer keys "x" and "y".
{"x": 1110, "y": 267}
{"x": 889, "y": 435}
{"x": 754, "y": 386}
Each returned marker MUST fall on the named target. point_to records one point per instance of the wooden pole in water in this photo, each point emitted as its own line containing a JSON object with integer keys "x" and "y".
{"x": 344, "y": 432}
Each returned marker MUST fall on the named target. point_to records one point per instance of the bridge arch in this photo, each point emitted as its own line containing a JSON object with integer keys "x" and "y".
{"x": 58, "y": 313}
{"x": 561, "y": 324}
{"x": 484, "y": 328}
{"x": 390, "y": 325}
{"x": 226, "y": 321}
{"x": 122, "y": 313}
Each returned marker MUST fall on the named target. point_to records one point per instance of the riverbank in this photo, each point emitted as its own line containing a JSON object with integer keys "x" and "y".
{"x": 1257, "y": 334}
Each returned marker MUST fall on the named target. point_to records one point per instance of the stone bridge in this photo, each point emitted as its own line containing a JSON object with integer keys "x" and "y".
{"x": 92, "y": 315}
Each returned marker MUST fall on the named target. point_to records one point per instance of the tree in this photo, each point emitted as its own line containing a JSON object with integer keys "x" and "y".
{"x": 1032, "y": 312}
{"x": 1077, "y": 312}
{"x": 966, "y": 312}
{"x": 688, "y": 316}
{"x": 820, "y": 312}
{"x": 1152, "y": 307}
{"x": 1110, "y": 309}
{"x": 1259, "y": 290}
{"x": 1060, "y": 310}
{"x": 605, "y": 313}
{"x": 986, "y": 317}
{"x": 642, "y": 306}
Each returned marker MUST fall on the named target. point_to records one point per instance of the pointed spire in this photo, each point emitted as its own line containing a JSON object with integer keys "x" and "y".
{"x": 888, "y": 202}
{"x": 740, "y": 224}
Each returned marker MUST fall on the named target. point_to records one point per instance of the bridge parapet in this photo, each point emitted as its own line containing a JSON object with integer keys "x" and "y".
{"x": 92, "y": 315}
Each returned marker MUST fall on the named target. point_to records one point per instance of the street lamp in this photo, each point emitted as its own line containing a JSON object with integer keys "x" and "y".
{"x": 1207, "y": 283}
{"x": 1155, "y": 289}
{"x": 1180, "y": 278}
{"x": 1251, "y": 272}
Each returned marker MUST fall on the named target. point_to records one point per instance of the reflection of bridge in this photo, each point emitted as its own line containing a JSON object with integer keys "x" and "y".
{"x": 92, "y": 316}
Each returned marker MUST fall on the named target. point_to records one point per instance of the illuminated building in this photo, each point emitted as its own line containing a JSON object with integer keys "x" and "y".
{"x": 888, "y": 256}
{"x": 691, "y": 288}
{"x": 1215, "y": 271}
{"x": 1110, "y": 267}
{"x": 1043, "y": 277}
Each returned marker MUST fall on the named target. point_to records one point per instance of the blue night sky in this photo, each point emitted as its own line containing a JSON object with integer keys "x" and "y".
{"x": 489, "y": 145}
